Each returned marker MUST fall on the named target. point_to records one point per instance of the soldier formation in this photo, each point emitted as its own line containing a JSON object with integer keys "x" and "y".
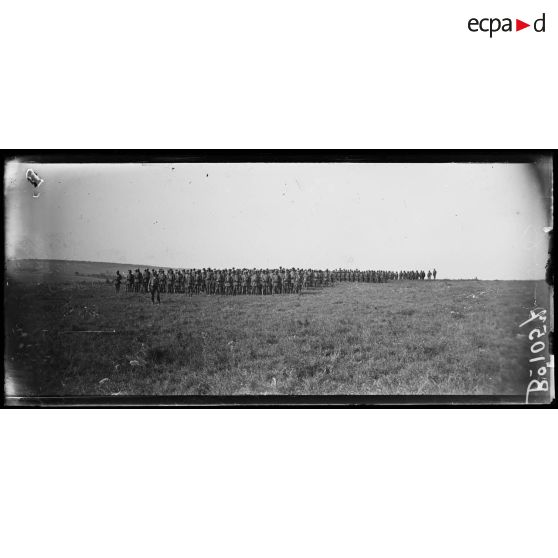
{"x": 252, "y": 281}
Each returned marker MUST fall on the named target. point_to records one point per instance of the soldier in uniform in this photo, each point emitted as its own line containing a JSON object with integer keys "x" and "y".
{"x": 236, "y": 282}
{"x": 140, "y": 284}
{"x": 200, "y": 281}
{"x": 262, "y": 281}
{"x": 294, "y": 280}
{"x": 245, "y": 281}
{"x": 255, "y": 282}
{"x": 185, "y": 281}
{"x": 154, "y": 284}
{"x": 197, "y": 281}
{"x": 117, "y": 281}
{"x": 170, "y": 281}
{"x": 161, "y": 281}
{"x": 288, "y": 282}
{"x": 299, "y": 281}
{"x": 213, "y": 282}
{"x": 275, "y": 282}
{"x": 269, "y": 281}
{"x": 232, "y": 274}
{"x": 219, "y": 282}
{"x": 179, "y": 281}
{"x": 137, "y": 281}
{"x": 265, "y": 282}
{"x": 146, "y": 277}
{"x": 305, "y": 279}
{"x": 434, "y": 273}
{"x": 208, "y": 282}
{"x": 228, "y": 282}
{"x": 191, "y": 282}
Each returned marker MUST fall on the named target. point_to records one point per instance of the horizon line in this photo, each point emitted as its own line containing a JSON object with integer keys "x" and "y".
{"x": 208, "y": 267}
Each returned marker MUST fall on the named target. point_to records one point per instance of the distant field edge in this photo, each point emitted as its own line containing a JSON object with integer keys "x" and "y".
{"x": 14, "y": 266}
{"x": 56, "y": 261}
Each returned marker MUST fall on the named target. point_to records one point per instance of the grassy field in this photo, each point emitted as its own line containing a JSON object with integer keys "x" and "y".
{"x": 442, "y": 337}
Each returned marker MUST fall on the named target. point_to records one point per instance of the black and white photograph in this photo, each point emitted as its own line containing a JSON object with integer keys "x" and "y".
{"x": 271, "y": 279}
{"x": 278, "y": 279}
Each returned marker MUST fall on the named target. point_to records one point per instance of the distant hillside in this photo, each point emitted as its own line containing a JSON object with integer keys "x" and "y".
{"x": 56, "y": 271}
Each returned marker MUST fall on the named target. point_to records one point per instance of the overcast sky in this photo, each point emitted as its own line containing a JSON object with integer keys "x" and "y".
{"x": 467, "y": 220}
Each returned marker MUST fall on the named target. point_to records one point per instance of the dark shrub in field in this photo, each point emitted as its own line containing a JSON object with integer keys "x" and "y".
{"x": 407, "y": 312}
{"x": 186, "y": 352}
{"x": 159, "y": 355}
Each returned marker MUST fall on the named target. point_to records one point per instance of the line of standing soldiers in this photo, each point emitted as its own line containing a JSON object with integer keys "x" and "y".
{"x": 253, "y": 281}
{"x": 138, "y": 282}
{"x": 381, "y": 276}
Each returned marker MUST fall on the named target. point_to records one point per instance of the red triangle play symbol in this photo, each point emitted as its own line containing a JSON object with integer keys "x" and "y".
{"x": 519, "y": 25}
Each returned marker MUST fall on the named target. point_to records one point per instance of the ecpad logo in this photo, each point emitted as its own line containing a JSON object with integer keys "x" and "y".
{"x": 493, "y": 25}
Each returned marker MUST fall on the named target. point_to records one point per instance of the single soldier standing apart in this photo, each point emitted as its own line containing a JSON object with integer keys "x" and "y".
{"x": 146, "y": 277}
{"x": 117, "y": 281}
{"x": 434, "y": 273}
{"x": 154, "y": 288}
